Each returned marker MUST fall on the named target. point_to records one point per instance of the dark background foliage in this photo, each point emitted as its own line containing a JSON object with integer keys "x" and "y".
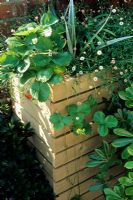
{"x": 21, "y": 177}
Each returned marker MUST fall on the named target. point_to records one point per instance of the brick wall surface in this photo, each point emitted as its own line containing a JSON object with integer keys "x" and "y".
{"x": 11, "y": 10}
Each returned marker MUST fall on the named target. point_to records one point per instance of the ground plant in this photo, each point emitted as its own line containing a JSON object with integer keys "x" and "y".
{"x": 104, "y": 158}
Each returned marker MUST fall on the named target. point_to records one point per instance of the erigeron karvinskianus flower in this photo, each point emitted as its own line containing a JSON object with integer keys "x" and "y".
{"x": 125, "y": 80}
{"x": 36, "y": 18}
{"x": 79, "y": 103}
{"x": 95, "y": 79}
{"x": 83, "y": 11}
{"x": 13, "y": 31}
{"x": 121, "y": 73}
{"x": 47, "y": 32}
{"x": 90, "y": 87}
{"x": 34, "y": 40}
{"x": 96, "y": 70}
{"x": 81, "y": 72}
{"x": 115, "y": 67}
{"x": 113, "y": 10}
{"x": 74, "y": 68}
{"x": 113, "y": 61}
{"x": 101, "y": 67}
{"x": 121, "y": 23}
{"x": 99, "y": 43}
{"x": 99, "y": 52}
{"x": 82, "y": 58}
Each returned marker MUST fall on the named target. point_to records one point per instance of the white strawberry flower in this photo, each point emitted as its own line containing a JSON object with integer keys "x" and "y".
{"x": 47, "y": 32}
{"x": 77, "y": 118}
{"x": 34, "y": 40}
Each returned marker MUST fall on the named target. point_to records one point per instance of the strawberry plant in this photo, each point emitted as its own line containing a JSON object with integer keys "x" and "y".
{"x": 37, "y": 55}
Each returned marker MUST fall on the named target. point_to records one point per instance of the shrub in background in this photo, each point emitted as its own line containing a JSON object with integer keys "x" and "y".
{"x": 21, "y": 175}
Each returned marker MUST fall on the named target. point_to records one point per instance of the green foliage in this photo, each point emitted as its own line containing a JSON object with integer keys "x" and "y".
{"x": 104, "y": 123}
{"x": 109, "y": 32}
{"x": 47, "y": 19}
{"x": 76, "y": 117}
{"x": 127, "y": 95}
{"x": 70, "y": 24}
{"x": 76, "y": 197}
{"x": 123, "y": 133}
{"x": 60, "y": 121}
{"x": 125, "y": 118}
{"x": 116, "y": 194}
{"x": 37, "y": 91}
{"x": 104, "y": 158}
{"x": 119, "y": 152}
{"x": 124, "y": 190}
{"x": 21, "y": 174}
{"x": 37, "y": 55}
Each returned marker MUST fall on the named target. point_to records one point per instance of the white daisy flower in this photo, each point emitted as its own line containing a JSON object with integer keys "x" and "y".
{"x": 113, "y": 61}
{"x": 115, "y": 68}
{"x": 99, "y": 52}
{"x": 101, "y": 67}
{"x": 114, "y": 11}
{"x": 90, "y": 87}
{"x": 121, "y": 73}
{"x": 12, "y": 31}
{"x": 74, "y": 68}
{"x": 95, "y": 79}
{"x": 79, "y": 103}
{"x": 82, "y": 58}
{"x": 96, "y": 70}
{"x": 99, "y": 43}
{"x": 47, "y": 32}
{"x": 125, "y": 80}
{"x": 121, "y": 23}
{"x": 81, "y": 72}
